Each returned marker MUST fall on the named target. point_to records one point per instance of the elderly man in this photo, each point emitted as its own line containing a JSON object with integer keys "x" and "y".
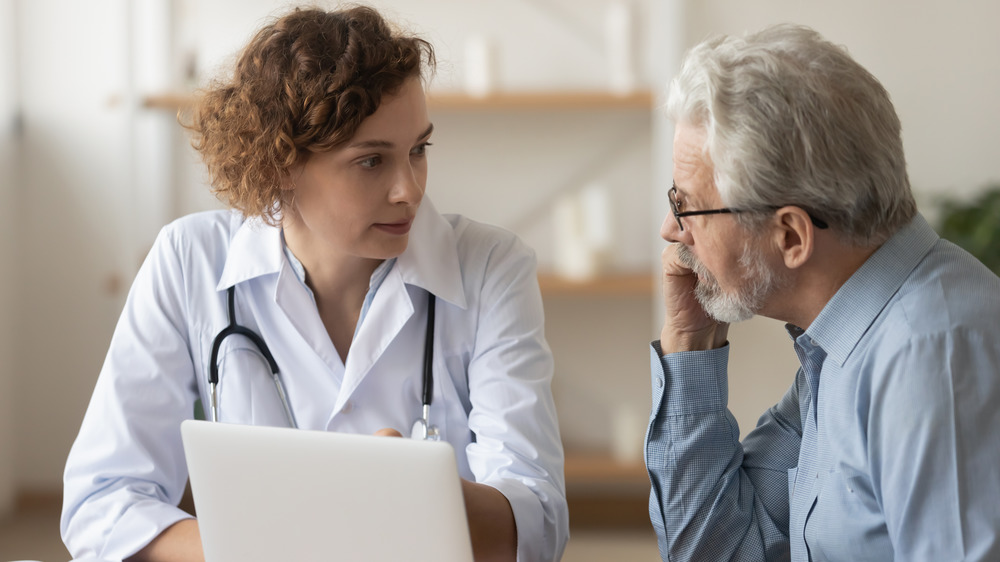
{"x": 791, "y": 201}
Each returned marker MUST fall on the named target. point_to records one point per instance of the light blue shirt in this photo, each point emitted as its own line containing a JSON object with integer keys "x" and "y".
{"x": 885, "y": 447}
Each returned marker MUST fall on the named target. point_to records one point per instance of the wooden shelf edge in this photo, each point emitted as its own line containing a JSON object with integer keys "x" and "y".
{"x": 171, "y": 101}
{"x": 601, "y": 469}
{"x": 554, "y": 100}
{"x": 442, "y": 101}
{"x": 636, "y": 284}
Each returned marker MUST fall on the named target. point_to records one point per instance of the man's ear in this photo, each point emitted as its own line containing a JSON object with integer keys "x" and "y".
{"x": 794, "y": 236}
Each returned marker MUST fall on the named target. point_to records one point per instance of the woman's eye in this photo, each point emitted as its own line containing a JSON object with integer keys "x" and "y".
{"x": 420, "y": 149}
{"x": 371, "y": 162}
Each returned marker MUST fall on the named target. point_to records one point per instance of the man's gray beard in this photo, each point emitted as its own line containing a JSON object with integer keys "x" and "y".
{"x": 758, "y": 284}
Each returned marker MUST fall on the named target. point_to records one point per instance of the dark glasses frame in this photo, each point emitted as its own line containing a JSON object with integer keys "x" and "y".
{"x": 678, "y": 214}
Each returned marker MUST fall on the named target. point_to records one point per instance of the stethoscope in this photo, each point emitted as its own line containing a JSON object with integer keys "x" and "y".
{"x": 422, "y": 428}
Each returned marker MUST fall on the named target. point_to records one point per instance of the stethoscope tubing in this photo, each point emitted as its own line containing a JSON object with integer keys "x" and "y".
{"x": 426, "y": 394}
{"x": 213, "y": 367}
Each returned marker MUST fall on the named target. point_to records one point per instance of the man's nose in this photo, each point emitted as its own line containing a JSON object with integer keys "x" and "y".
{"x": 670, "y": 229}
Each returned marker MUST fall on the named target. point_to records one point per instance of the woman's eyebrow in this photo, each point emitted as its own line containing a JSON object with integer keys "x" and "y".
{"x": 376, "y": 143}
{"x": 427, "y": 133}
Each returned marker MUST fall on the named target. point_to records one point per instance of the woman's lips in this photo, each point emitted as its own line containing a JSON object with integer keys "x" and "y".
{"x": 397, "y": 228}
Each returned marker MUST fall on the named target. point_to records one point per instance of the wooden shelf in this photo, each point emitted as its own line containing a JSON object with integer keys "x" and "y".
{"x": 567, "y": 100}
{"x": 637, "y": 284}
{"x": 604, "y": 493}
{"x": 589, "y": 469}
{"x": 642, "y": 100}
{"x": 172, "y": 101}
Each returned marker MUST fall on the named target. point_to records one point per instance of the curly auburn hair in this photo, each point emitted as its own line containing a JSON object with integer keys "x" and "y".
{"x": 303, "y": 83}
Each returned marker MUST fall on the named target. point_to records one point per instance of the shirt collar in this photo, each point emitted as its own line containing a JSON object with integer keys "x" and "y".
{"x": 852, "y": 310}
{"x": 430, "y": 260}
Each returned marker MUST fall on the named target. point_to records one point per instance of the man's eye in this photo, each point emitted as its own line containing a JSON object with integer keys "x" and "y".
{"x": 370, "y": 162}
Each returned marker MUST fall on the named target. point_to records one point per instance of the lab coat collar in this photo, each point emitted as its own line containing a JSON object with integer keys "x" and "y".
{"x": 254, "y": 250}
{"x": 430, "y": 260}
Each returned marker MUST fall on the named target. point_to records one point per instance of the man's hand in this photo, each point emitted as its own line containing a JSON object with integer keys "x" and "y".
{"x": 687, "y": 327}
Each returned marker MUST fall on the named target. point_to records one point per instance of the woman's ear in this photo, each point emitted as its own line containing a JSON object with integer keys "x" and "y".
{"x": 794, "y": 236}
{"x": 288, "y": 176}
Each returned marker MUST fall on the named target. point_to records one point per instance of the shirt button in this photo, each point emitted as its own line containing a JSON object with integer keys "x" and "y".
{"x": 348, "y": 407}
{"x": 659, "y": 382}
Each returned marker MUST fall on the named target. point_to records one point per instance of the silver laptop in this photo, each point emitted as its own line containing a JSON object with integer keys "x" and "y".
{"x": 266, "y": 494}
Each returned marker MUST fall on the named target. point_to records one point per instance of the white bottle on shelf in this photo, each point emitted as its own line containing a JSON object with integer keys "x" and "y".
{"x": 480, "y": 71}
{"x": 620, "y": 47}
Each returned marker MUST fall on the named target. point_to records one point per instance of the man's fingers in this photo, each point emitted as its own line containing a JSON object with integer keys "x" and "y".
{"x": 672, "y": 265}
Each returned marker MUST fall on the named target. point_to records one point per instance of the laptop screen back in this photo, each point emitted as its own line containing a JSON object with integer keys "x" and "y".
{"x": 265, "y": 493}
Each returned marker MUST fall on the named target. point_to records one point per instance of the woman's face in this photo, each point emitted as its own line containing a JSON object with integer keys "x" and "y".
{"x": 359, "y": 199}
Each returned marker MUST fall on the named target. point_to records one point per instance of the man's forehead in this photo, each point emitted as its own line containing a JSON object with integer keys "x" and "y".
{"x": 696, "y": 188}
{"x": 693, "y": 172}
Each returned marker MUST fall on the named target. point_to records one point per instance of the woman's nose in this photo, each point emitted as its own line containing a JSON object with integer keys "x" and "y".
{"x": 408, "y": 187}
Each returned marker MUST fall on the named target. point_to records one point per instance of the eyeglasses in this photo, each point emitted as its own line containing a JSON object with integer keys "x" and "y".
{"x": 677, "y": 207}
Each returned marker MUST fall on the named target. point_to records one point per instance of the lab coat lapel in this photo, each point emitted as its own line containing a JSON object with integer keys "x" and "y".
{"x": 255, "y": 251}
{"x": 295, "y": 302}
{"x": 430, "y": 262}
{"x": 389, "y": 312}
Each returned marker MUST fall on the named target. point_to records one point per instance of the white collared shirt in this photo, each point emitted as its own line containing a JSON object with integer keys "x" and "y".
{"x": 492, "y": 371}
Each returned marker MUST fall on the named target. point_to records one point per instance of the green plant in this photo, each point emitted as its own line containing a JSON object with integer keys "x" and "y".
{"x": 975, "y": 225}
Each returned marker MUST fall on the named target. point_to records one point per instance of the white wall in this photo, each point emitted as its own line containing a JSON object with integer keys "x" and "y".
{"x": 73, "y": 212}
{"x": 8, "y": 229}
{"x": 81, "y": 185}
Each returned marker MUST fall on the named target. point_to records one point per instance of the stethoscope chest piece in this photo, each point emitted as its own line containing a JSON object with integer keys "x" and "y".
{"x": 423, "y": 430}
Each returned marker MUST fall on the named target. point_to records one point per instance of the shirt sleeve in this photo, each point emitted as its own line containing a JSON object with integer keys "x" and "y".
{"x": 126, "y": 473}
{"x": 712, "y": 497}
{"x": 517, "y": 448}
{"x": 933, "y": 460}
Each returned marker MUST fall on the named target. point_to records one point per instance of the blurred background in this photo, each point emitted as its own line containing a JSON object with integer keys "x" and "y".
{"x": 547, "y": 122}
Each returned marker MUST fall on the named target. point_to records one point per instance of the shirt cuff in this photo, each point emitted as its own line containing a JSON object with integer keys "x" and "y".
{"x": 691, "y": 382}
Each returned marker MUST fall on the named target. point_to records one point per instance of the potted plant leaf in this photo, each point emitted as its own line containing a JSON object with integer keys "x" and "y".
{"x": 975, "y": 225}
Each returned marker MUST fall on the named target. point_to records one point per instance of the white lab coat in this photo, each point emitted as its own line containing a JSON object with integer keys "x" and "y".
{"x": 492, "y": 371}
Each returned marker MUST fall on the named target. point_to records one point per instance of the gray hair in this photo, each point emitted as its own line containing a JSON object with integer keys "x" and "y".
{"x": 792, "y": 119}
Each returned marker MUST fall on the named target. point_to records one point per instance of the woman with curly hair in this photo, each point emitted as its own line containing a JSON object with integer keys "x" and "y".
{"x": 332, "y": 254}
